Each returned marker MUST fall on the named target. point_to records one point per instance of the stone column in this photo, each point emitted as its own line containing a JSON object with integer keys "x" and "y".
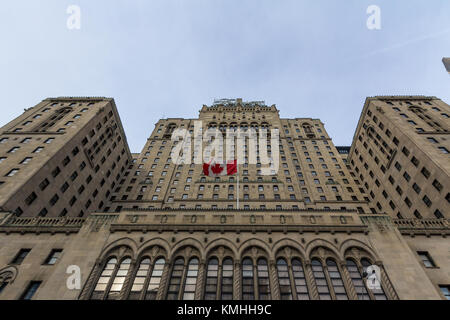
{"x": 200, "y": 281}
{"x": 274, "y": 281}
{"x": 89, "y": 285}
{"x": 292, "y": 281}
{"x": 310, "y": 281}
{"x": 164, "y": 281}
{"x": 330, "y": 285}
{"x": 386, "y": 283}
{"x": 255, "y": 281}
{"x": 351, "y": 292}
{"x": 237, "y": 280}
{"x": 123, "y": 295}
{"x": 219, "y": 281}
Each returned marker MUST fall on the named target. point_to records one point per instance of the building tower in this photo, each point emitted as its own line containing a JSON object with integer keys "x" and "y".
{"x": 62, "y": 158}
{"x": 153, "y": 229}
{"x": 400, "y": 152}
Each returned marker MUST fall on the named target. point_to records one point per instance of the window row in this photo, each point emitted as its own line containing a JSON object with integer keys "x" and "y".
{"x": 180, "y": 281}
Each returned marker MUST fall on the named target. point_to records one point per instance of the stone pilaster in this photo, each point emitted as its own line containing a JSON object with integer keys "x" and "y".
{"x": 351, "y": 292}
{"x": 89, "y": 285}
{"x": 310, "y": 280}
{"x": 274, "y": 281}
{"x": 200, "y": 280}
{"x": 237, "y": 280}
{"x": 127, "y": 283}
{"x": 164, "y": 281}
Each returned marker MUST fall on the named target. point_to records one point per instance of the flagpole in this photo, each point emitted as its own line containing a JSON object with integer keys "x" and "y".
{"x": 237, "y": 189}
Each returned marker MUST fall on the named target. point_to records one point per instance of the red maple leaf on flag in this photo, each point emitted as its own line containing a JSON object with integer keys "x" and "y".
{"x": 216, "y": 168}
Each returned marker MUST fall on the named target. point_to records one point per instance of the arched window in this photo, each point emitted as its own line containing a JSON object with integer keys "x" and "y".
{"x": 212, "y": 274}
{"x": 321, "y": 280}
{"x": 191, "y": 280}
{"x": 248, "y": 289}
{"x": 299, "y": 280}
{"x": 3, "y": 284}
{"x": 263, "y": 280}
{"x": 227, "y": 279}
{"x": 357, "y": 280}
{"x": 139, "y": 279}
{"x": 104, "y": 279}
{"x": 119, "y": 279}
{"x": 336, "y": 280}
{"x": 175, "y": 279}
{"x": 284, "y": 280}
{"x": 378, "y": 293}
{"x": 155, "y": 279}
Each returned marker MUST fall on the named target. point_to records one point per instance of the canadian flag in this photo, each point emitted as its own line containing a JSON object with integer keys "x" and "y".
{"x": 213, "y": 169}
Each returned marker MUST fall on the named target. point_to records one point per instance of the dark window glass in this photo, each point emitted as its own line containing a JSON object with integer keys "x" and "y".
{"x": 320, "y": 279}
{"x": 31, "y": 290}
{"x": 175, "y": 279}
{"x": 248, "y": 292}
{"x": 227, "y": 279}
{"x": 18, "y": 259}
{"x": 212, "y": 275}
{"x": 155, "y": 279}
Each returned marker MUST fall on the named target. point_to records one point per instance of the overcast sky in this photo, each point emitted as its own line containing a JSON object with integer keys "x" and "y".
{"x": 166, "y": 58}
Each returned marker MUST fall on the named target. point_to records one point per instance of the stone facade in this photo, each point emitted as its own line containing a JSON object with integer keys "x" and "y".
{"x": 62, "y": 158}
{"x": 165, "y": 231}
{"x": 400, "y": 152}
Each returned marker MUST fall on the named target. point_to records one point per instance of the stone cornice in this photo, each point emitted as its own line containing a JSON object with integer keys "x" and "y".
{"x": 13, "y": 224}
{"x": 236, "y": 228}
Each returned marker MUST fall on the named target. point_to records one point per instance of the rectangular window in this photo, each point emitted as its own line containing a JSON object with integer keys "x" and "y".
{"x": 406, "y": 176}
{"x": 29, "y": 200}
{"x": 12, "y": 172}
{"x": 66, "y": 161}
{"x": 31, "y": 290}
{"x": 416, "y": 188}
{"x": 74, "y": 176}
{"x": 425, "y": 172}
{"x": 396, "y": 141}
{"x": 64, "y": 187}
{"x": 55, "y": 172}
{"x": 445, "y": 289}
{"x": 54, "y": 199}
{"x": 26, "y": 160}
{"x": 426, "y": 259}
{"x": 44, "y": 184}
{"x": 53, "y": 257}
{"x": 427, "y": 201}
{"x": 408, "y": 202}
{"x": 405, "y": 151}
{"x": 437, "y": 185}
{"x": 72, "y": 201}
{"x": 18, "y": 259}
